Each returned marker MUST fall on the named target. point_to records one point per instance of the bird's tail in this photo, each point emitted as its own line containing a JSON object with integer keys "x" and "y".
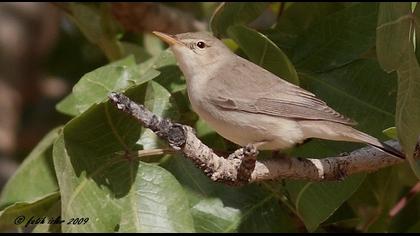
{"x": 341, "y": 132}
{"x": 379, "y": 145}
{"x": 390, "y": 150}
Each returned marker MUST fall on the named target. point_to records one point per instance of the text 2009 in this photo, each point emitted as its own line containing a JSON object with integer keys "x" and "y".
{"x": 78, "y": 221}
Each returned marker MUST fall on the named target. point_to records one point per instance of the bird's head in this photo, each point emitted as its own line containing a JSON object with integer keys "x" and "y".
{"x": 197, "y": 52}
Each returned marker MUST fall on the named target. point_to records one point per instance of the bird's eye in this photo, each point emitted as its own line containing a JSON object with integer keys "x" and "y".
{"x": 201, "y": 44}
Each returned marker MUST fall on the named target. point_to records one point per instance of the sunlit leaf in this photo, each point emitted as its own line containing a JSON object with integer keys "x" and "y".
{"x": 52, "y": 215}
{"x": 152, "y": 44}
{"x": 68, "y": 105}
{"x": 140, "y": 54}
{"x": 391, "y": 132}
{"x": 95, "y": 86}
{"x": 35, "y": 177}
{"x": 19, "y": 214}
{"x": 157, "y": 100}
{"x": 117, "y": 192}
{"x": 251, "y": 208}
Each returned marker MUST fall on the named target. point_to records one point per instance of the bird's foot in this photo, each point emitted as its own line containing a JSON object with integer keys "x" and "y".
{"x": 248, "y": 160}
{"x": 250, "y": 150}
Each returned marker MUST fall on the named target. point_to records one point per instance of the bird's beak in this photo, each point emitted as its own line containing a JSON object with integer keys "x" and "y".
{"x": 167, "y": 38}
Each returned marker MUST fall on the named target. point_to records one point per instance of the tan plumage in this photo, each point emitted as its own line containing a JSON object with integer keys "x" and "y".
{"x": 245, "y": 103}
{"x": 273, "y": 96}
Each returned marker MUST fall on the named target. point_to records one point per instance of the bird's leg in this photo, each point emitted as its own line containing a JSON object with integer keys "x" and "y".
{"x": 252, "y": 148}
{"x": 248, "y": 160}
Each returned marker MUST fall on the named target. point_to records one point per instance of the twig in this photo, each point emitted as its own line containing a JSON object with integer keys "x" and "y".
{"x": 281, "y": 10}
{"x": 404, "y": 201}
{"x": 241, "y": 166}
{"x": 153, "y": 152}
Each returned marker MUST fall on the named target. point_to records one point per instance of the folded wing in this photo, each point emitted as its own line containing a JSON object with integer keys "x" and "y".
{"x": 270, "y": 95}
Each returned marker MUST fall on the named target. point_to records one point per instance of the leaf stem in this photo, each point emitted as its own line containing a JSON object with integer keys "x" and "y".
{"x": 152, "y": 152}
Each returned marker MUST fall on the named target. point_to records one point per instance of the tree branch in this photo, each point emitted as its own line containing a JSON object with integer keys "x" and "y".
{"x": 241, "y": 166}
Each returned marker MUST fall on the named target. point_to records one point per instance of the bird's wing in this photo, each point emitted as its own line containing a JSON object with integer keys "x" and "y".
{"x": 259, "y": 91}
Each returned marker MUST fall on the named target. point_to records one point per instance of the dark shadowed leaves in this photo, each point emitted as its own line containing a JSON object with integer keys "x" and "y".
{"x": 263, "y": 52}
{"x": 234, "y": 13}
{"x": 337, "y": 39}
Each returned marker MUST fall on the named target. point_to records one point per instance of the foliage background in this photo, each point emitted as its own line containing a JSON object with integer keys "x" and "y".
{"x": 361, "y": 58}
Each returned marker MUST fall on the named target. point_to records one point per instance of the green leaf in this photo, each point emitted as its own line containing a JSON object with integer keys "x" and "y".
{"x": 374, "y": 199}
{"x": 97, "y": 25}
{"x": 99, "y": 179}
{"x": 95, "y": 86}
{"x": 52, "y": 214}
{"x": 263, "y": 52}
{"x": 220, "y": 208}
{"x": 397, "y": 53}
{"x": 160, "y": 205}
{"x": 230, "y": 44}
{"x": 157, "y": 100}
{"x": 208, "y": 136}
{"x": 407, "y": 220}
{"x": 361, "y": 91}
{"x": 408, "y": 106}
{"x": 391, "y": 132}
{"x": 417, "y": 30}
{"x": 230, "y": 13}
{"x": 415, "y": 228}
{"x": 18, "y": 214}
{"x": 211, "y": 216}
{"x": 35, "y": 177}
{"x": 140, "y": 54}
{"x": 68, "y": 105}
{"x": 337, "y": 39}
{"x": 342, "y": 216}
{"x": 299, "y": 17}
{"x": 315, "y": 202}
{"x": 152, "y": 44}
{"x": 138, "y": 197}
{"x": 170, "y": 75}
{"x": 393, "y": 34}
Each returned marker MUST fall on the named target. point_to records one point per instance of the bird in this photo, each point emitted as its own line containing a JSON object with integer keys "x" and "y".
{"x": 248, "y": 104}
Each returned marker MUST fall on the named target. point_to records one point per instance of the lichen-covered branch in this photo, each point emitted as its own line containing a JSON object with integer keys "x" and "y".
{"x": 241, "y": 167}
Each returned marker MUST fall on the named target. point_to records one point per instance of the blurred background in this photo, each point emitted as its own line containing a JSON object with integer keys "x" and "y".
{"x": 43, "y": 53}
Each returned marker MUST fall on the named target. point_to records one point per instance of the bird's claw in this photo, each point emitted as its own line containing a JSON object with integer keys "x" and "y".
{"x": 250, "y": 150}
